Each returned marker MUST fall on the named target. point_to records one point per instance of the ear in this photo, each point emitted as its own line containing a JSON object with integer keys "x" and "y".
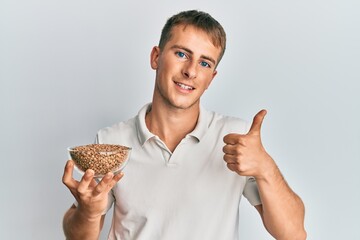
{"x": 213, "y": 76}
{"x": 154, "y": 57}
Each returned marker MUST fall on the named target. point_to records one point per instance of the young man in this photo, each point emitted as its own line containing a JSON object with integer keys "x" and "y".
{"x": 189, "y": 167}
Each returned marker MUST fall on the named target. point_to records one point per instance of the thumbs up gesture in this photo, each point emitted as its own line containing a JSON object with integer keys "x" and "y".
{"x": 245, "y": 154}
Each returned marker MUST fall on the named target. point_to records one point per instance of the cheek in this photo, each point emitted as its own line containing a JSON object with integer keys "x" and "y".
{"x": 207, "y": 80}
{"x": 166, "y": 67}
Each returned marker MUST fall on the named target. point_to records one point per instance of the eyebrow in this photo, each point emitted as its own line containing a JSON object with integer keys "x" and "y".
{"x": 191, "y": 52}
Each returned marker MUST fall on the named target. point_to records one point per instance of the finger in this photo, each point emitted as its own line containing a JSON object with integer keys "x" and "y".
{"x": 67, "y": 178}
{"x": 93, "y": 183}
{"x": 107, "y": 183}
{"x": 104, "y": 184}
{"x": 117, "y": 177}
{"x": 228, "y": 158}
{"x": 232, "y": 166}
{"x": 230, "y": 149}
{"x": 86, "y": 179}
{"x": 232, "y": 138}
{"x": 257, "y": 122}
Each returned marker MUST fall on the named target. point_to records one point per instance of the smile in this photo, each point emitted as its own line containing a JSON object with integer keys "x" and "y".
{"x": 183, "y": 86}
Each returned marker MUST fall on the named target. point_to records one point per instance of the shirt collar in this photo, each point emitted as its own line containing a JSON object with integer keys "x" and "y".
{"x": 202, "y": 125}
{"x": 142, "y": 131}
{"x": 199, "y": 132}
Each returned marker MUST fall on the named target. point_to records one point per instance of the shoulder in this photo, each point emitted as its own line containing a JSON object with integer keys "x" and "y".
{"x": 228, "y": 123}
{"x": 117, "y": 131}
{"x": 132, "y": 131}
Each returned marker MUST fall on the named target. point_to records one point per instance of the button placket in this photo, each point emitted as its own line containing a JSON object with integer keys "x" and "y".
{"x": 165, "y": 152}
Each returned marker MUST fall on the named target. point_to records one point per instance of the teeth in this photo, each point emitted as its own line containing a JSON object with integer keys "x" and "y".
{"x": 185, "y": 86}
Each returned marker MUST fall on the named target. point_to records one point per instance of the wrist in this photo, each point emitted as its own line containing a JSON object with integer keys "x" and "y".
{"x": 77, "y": 225}
{"x": 86, "y": 215}
{"x": 269, "y": 171}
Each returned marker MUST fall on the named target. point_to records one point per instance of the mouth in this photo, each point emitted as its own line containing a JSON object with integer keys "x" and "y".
{"x": 184, "y": 86}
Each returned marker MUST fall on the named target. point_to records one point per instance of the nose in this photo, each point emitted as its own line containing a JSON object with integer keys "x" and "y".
{"x": 189, "y": 70}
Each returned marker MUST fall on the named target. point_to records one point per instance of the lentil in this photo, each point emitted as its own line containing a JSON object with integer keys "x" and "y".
{"x": 102, "y": 158}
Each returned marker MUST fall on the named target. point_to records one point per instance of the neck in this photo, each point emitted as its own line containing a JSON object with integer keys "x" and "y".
{"x": 172, "y": 124}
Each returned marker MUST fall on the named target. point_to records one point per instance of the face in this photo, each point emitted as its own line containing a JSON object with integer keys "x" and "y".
{"x": 184, "y": 68}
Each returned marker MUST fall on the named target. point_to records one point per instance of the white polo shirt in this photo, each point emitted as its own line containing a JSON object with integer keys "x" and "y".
{"x": 181, "y": 195}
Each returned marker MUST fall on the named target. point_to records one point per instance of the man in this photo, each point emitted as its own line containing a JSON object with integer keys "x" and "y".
{"x": 189, "y": 167}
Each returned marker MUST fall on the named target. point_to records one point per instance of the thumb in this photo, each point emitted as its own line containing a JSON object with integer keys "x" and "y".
{"x": 257, "y": 122}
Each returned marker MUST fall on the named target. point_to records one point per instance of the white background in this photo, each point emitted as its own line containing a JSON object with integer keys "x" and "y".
{"x": 68, "y": 68}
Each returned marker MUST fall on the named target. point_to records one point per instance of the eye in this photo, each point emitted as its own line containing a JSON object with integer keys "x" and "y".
{"x": 180, "y": 54}
{"x": 205, "y": 64}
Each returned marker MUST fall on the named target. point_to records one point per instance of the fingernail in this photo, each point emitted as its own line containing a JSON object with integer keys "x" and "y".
{"x": 89, "y": 172}
{"x": 109, "y": 175}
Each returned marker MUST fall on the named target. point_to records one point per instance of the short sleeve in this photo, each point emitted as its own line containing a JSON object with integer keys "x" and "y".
{"x": 251, "y": 191}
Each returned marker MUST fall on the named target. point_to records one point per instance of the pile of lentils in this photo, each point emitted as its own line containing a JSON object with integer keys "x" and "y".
{"x": 102, "y": 158}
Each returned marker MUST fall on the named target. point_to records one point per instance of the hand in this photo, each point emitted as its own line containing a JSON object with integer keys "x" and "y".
{"x": 92, "y": 197}
{"x": 245, "y": 154}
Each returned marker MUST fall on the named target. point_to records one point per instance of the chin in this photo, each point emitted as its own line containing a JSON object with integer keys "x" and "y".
{"x": 184, "y": 105}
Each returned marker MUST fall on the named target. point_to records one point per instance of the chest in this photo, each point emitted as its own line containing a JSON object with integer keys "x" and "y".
{"x": 194, "y": 180}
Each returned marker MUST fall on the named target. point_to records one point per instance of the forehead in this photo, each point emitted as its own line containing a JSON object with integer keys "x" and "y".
{"x": 193, "y": 38}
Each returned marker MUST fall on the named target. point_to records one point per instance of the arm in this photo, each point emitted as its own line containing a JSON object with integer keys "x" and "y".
{"x": 86, "y": 220}
{"x": 282, "y": 211}
{"x": 76, "y": 226}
